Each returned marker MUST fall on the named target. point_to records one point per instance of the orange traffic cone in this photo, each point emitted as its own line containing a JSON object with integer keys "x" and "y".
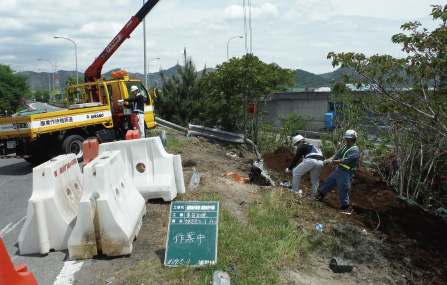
{"x": 10, "y": 274}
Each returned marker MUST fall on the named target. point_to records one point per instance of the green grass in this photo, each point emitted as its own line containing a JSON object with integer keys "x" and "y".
{"x": 173, "y": 143}
{"x": 260, "y": 249}
{"x": 254, "y": 252}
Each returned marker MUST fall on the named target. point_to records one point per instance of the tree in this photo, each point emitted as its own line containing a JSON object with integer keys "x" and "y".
{"x": 72, "y": 80}
{"x": 42, "y": 95}
{"x": 69, "y": 81}
{"x": 269, "y": 139}
{"x": 182, "y": 101}
{"x": 235, "y": 84}
{"x": 410, "y": 100}
{"x": 350, "y": 113}
{"x": 12, "y": 89}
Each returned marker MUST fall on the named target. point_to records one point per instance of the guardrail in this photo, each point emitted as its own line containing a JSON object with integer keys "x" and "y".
{"x": 215, "y": 134}
{"x": 309, "y": 133}
{"x": 170, "y": 125}
{"x": 221, "y": 135}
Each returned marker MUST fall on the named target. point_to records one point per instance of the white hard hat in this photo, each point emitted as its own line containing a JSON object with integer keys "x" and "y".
{"x": 350, "y": 134}
{"x": 133, "y": 88}
{"x": 297, "y": 138}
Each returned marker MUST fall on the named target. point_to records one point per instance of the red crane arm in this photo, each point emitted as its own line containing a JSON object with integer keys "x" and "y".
{"x": 93, "y": 73}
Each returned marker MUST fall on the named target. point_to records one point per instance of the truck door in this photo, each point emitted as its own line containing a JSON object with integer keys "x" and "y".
{"x": 149, "y": 116}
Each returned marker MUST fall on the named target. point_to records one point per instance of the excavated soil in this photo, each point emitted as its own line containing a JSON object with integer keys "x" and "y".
{"x": 414, "y": 238}
{"x": 388, "y": 240}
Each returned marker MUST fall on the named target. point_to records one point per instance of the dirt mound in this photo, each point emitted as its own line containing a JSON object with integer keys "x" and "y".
{"x": 413, "y": 237}
{"x": 281, "y": 158}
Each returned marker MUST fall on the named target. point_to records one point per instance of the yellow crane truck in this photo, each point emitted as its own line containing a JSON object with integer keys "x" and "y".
{"x": 93, "y": 110}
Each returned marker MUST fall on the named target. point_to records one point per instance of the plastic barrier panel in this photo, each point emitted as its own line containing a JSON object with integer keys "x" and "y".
{"x": 132, "y": 135}
{"x": 52, "y": 208}
{"x": 155, "y": 173}
{"x": 110, "y": 211}
{"x": 90, "y": 149}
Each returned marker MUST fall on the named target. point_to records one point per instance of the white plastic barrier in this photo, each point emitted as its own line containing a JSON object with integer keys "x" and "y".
{"x": 52, "y": 208}
{"x": 110, "y": 212}
{"x": 155, "y": 173}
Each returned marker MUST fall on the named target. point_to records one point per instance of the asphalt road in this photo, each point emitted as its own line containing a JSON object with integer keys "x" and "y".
{"x": 15, "y": 191}
{"x": 38, "y": 106}
{"x": 16, "y": 187}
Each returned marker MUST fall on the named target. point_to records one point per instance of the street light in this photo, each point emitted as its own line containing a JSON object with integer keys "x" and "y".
{"x": 144, "y": 48}
{"x": 148, "y": 74}
{"x": 76, "y": 56}
{"x": 52, "y": 69}
{"x": 229, "y": 42}
{"x": 49, "y": 84}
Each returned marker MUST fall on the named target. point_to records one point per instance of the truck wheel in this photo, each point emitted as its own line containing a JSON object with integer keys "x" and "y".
{"x": 73, "y": 144}
{"x": 35, "y": 159}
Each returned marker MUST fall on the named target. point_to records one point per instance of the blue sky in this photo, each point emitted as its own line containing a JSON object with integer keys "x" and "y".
{"x": 296, "y": 34}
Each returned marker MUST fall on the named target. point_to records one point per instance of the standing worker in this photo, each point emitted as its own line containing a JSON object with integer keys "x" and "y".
{"x": 347, "y": 159}
{"x": 137, "y": 108}
{"x": 312, "y": 163}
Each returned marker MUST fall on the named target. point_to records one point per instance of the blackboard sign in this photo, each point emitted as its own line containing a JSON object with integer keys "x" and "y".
{"x": 192, "y": 234}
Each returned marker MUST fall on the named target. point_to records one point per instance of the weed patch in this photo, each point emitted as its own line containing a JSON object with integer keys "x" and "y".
{"x": 251, "y": 254}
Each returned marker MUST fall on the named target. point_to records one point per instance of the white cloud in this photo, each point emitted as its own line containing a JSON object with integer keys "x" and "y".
{"x": 323, "y": 45}
{"x": 292, "y": 33}
{"x": 233, "y": 12}
{"x": 10, "y": 25}
{"x": 7, "y": 57}
{"x": 7, "y": 5}
{"x": 265, "y": 10}
{"x": 397, "y": 9}
{"x": 295, "y": 17}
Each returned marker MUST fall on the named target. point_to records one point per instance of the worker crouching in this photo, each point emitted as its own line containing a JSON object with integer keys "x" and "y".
{"x": 312, "y": 162}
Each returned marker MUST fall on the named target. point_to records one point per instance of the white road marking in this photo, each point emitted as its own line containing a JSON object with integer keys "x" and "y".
{"x": 9, "y": 228}
{"x": 4, "y": 229}
{"x": 66, "y": 276}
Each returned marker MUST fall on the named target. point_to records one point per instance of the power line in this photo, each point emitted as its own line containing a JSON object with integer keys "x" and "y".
{"x": 247, "y": 25}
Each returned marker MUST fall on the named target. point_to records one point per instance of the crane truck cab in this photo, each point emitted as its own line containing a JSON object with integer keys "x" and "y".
{"x": 109, "y": 93}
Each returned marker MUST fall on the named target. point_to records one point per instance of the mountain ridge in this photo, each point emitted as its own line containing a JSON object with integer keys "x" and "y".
{"x": 42, "y": 80}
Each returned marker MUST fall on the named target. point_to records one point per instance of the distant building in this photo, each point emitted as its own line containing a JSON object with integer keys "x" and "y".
{"x": 323, "y": 89}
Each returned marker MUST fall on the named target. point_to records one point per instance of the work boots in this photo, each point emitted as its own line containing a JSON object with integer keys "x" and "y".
{"x": 346, "y": 209}
{"x": 319, "y": 196}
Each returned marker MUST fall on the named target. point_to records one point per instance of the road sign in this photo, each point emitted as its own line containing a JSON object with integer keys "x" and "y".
{"x": 192, "y": 234}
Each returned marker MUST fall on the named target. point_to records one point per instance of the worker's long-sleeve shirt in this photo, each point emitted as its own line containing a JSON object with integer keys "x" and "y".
{"x": 307, "y": 151}
{"x": 137, "y": 103}
{"x": 348, "y": 155}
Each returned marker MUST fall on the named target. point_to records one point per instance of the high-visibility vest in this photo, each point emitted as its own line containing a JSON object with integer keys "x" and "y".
{"x": 343, "y": 154}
